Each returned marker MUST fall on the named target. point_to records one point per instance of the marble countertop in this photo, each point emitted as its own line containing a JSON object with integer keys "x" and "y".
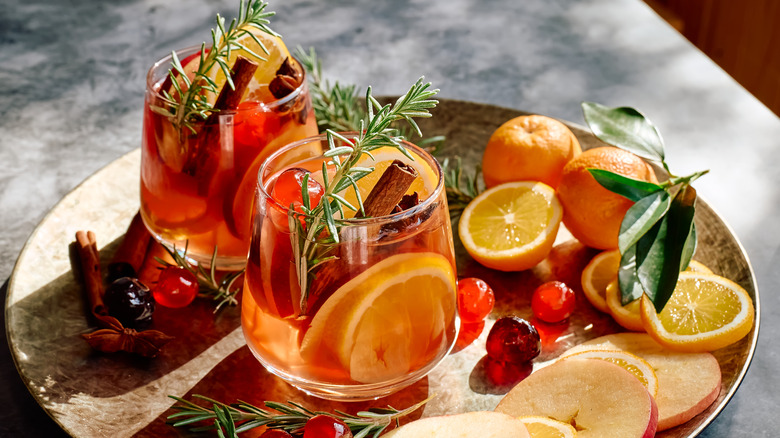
{"x": 73, "y": 79}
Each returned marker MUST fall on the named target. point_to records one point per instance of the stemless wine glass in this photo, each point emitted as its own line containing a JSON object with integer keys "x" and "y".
{"x": 370, "y": 314}
{"x": 197, "y": 185}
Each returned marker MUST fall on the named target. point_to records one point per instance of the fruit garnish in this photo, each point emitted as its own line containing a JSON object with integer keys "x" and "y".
{"x": 221, "y": 291}
{"x": 313, "y": 239}
{"x": 513, "y": 339}
{"x": 189, "y": 102}
{"x": 176, "y": 287}
{"x": 631, "y": 363}
{"x": 553, "y": 301}
{"x": 705, "y": 312}
{"x": 597, "y": 275}
{"x": 627, "y": 315}
{"x": 130, "y": 301}
{"x": 545, "y": 427}
{"x": 353, "y": 324}
{"x": 288, "y": 189}
{"x": 528, "y": 148}
{"x": 511, "y": 227}
{"x": 475, "y": 299}
{"x": 600, "y": 399}
{"x": 326, "y": 426}
{"x": 290, "y": 417}
{"x": 657, "y": 235}
{"x": 695, "y": 266}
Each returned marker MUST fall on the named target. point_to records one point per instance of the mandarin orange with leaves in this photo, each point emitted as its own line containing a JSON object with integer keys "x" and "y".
{"x": 591, "y": 212}
{"x": 528, "y": 148}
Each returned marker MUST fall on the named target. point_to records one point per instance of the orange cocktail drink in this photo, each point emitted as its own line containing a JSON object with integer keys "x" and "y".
{"x": 367, "y": 315}
{"x": 197, "y": 181}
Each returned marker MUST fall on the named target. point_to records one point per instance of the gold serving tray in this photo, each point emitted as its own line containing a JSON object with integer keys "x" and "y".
{"x": 92, "y": 394}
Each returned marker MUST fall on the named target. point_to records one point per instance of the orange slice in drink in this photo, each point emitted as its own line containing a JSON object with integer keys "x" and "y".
{"x": 631, "y": 363}
{"x": 382, "y": 323}
{"x": 545, "y": 427}
{"x": 627, "y": 316}
{"x": 601, "y": 271}
{"x": 705, "y": 312}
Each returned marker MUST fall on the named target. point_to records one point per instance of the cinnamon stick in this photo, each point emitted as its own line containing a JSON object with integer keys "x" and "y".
{"x": 389, "y": 190}
{"x": 86, "y": 243}
{"x": 205, "y": 157}
{"x": 132, "y": 249}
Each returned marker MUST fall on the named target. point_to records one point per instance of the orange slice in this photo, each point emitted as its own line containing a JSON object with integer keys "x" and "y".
{"x": 544, "y": 427}
{"x": 706, "y": 312}
{"x": 631, "y": 363}
{"x": 695, "y": 266}
{"x": 378, "y": 323}
{"x": 627, "y": 316}
{"x": 511, "y": 227}
{"x": 601, "y": 271}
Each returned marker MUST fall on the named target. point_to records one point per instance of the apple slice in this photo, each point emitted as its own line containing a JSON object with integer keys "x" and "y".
{"x": 598, "y": 398}
{"x": 687, "y": 382}
{"x": 484, "y": 424}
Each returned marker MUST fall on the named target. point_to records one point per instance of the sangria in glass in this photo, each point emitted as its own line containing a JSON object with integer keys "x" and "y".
{"x": 362, "y": 317}
{"x": 198, "y": 179}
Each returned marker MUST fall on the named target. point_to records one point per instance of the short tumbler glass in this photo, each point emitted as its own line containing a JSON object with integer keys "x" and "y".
{"x": 197, "y": 186}
{"x": 379, "y": 309}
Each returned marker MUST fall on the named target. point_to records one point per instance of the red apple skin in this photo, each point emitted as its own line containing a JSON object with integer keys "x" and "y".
{"x": 652, "y": 425}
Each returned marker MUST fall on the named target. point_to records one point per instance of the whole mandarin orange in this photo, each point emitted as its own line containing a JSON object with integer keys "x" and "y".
{"x": 591, "y": 212}
{"x": 528, "y": 148}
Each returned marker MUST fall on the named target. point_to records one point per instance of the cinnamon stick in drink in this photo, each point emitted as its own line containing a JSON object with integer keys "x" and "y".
{"x": 389, "y": 190}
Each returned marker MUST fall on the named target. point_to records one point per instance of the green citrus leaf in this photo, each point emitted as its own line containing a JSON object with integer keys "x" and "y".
{"x": 641, "y": 217}
{"x": 690, "y": 248}
{"x": 660, "y": 252}
{"x": 625, "y": 128}
{"x": 630, "y": 188}
{"x": 630, "y": 287}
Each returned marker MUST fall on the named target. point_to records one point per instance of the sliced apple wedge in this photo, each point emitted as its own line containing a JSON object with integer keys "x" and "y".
{"x": 687, "y": 382}
{"x": 484, "y": 424}
{"x": 598, "y": 398}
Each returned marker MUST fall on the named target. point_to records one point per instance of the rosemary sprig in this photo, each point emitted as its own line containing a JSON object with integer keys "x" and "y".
{"x": 220, "y": 291}
{"x": 193, "y": 105}
{"x": 459, "y": 192}
{"x": 339, "y": 108}
{"x": 230, "y": 420}
{"x": 313, "y": 239}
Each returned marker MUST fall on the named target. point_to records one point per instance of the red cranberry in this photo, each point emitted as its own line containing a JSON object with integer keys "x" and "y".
{"x": 553, "y": 301}
{"x": 513, "y": 339}
{"x": 325, "y": 426}
{"x": 177, "y": 287}
{"x": 129, "y": 301}
{"x": 475, "y": 299}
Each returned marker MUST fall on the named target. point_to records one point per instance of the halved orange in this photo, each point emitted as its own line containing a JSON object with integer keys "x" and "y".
{"x": 512, "y": 226}
{"x": 705, "y": 312}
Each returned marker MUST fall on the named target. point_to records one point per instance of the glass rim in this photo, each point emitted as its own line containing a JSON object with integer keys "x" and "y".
{"x": 166, "y": 63}
{"x": 377, "y": 220}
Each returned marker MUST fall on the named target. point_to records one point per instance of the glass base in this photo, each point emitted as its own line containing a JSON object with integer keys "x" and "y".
{"x": 350, "y": 393}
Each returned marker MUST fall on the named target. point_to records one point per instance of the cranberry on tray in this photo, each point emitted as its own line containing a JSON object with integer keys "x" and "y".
{"x": 475, "y": 299}
{"x": 553, "y": 301}
{"x": 513, "y": 339}
{"x": 129, "y": 301}
{"x": 177, "y": 287}
{"x": 325, "y": 426}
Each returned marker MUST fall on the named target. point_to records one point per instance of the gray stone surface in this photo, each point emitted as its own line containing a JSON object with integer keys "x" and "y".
{"x": 72, "y": 76}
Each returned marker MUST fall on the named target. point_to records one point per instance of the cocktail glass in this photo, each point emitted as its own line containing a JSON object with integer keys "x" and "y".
{"x": 378, "y": 310}
{"x": 197, "y": 185}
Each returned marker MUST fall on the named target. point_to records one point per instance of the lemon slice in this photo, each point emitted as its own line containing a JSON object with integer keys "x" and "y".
{"x": 627, "y": 316}
{"x": 389, "y": 320}
{"x": 631, "y": 363}
{"x": 257, "y": 90}
{"x": 705, "y": 312}
{"x": 544, "y": 427}
{"x": 599, "y": 272}
{"x": 512, "y": 226}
